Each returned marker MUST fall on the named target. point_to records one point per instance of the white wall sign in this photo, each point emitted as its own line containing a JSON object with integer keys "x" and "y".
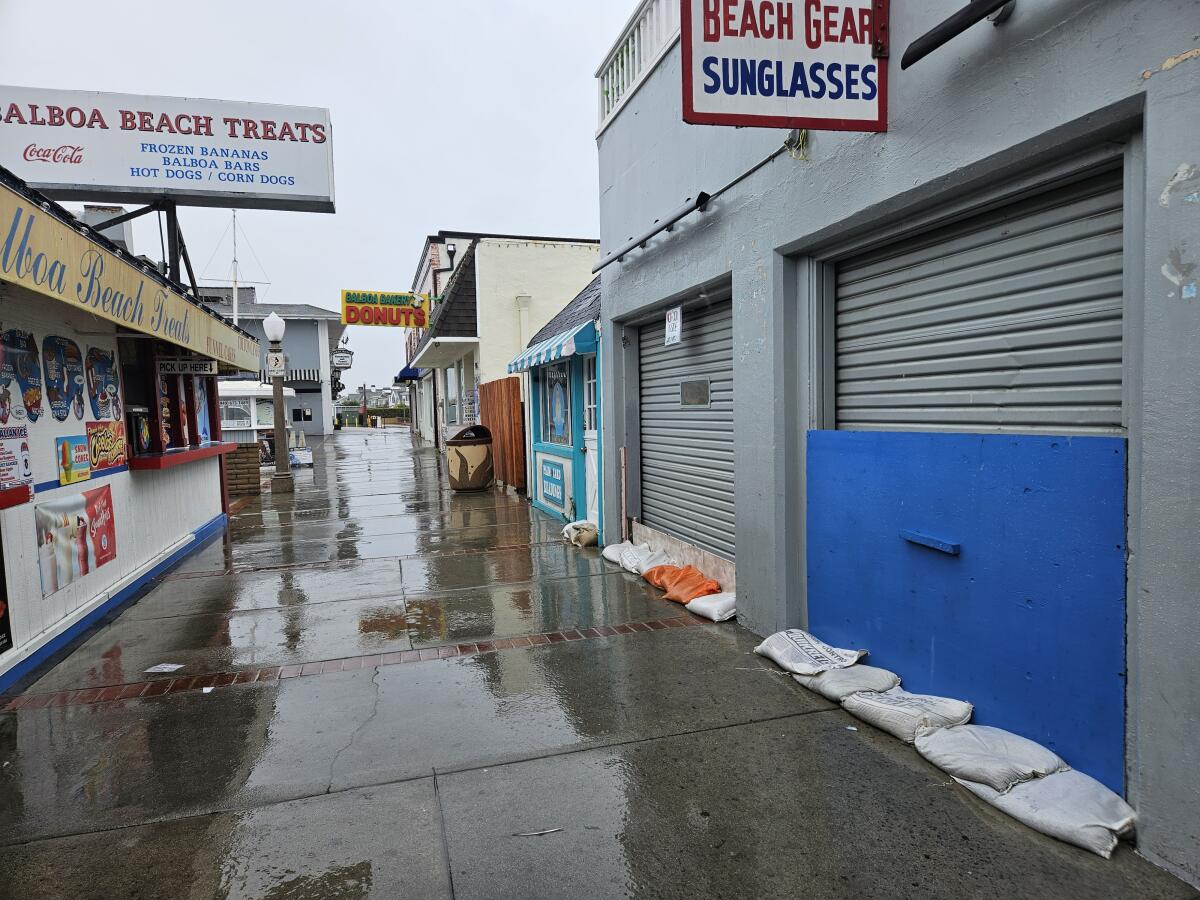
{"x": 785, "y": 64}
{"x": 341, "y": 358}
{"x": 674, "y": 326}
{"x": 276, "y": 364}
{"x": 187, "y": 367}
{"x": 83, "y": 145}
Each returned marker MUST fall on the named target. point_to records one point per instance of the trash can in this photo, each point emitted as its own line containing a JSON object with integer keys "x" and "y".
{"x": 469, "y": 459}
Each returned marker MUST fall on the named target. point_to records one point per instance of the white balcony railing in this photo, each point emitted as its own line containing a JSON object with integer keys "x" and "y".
{"x": 650, "y": 32}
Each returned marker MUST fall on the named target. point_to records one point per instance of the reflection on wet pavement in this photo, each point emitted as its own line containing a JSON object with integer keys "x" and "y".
{"x": 674, "y": 761}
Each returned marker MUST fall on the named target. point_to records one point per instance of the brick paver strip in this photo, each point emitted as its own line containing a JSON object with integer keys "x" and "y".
{"x": 162, "y": 686}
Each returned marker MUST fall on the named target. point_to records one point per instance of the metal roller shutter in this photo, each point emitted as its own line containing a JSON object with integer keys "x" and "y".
{"x": 1007, "y": 321}
{"x": 687, "y": 453}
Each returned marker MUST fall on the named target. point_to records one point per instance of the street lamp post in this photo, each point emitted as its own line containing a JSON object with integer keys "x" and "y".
{"x": 273, "y": 328}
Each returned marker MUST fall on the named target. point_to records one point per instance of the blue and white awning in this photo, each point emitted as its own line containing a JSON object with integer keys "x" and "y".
{"x": 580, "y": 339}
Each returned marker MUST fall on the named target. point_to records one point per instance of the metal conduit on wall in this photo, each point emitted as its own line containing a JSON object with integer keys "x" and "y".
{"x": 687, "y": 449}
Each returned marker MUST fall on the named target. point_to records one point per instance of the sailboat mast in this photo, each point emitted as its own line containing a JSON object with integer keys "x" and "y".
{"x": 235, "y": 272}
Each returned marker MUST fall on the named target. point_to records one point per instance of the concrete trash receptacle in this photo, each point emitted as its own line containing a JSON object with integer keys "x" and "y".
{"x": 469, "y": 459}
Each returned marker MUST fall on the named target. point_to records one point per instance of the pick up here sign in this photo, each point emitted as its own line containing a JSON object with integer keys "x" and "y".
{"x": 784, "y": 64}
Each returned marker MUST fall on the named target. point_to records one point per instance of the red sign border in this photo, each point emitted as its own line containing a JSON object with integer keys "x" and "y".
{"x": 690, "y": 116}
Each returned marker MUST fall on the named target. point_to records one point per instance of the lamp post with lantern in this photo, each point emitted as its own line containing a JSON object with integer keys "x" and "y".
{"x": 273, "y": 328}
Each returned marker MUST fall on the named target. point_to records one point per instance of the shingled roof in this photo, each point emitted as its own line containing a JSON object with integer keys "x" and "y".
{"x": 457, "y": 314}
{"x": 584, "y": 308}
{"x": 220, "y": 299}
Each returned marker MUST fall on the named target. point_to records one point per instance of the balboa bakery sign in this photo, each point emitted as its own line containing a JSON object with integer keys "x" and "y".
{"x": 43, "y": 254}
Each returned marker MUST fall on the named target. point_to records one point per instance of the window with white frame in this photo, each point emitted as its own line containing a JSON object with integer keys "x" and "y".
{"x": 589, "y": 393}
{"x": 235, "y": 414}
{"x": 555, "y": 404}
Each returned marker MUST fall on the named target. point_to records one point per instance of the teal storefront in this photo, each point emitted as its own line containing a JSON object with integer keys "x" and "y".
{"x": 564, "y": 398}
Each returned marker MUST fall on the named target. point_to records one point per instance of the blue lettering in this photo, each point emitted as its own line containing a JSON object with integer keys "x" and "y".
{"x": 7, "y": 261}
{"x": 710, "y": 73}
{"x": 167, "y": 325}
{"x": 765, "y": 85}
{"x": 26, "y": 263}
{"x": 747, "y": 76}
{"x": 799, "y": 81}
{"x": 852, "y": 81}
{"x": 814, "y": 72}
{"x": 834, "y": 74}
{"x": 868, "y": 80}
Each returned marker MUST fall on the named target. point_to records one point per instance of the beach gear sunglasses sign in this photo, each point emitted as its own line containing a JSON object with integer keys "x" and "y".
{"x": 787, "y": 64}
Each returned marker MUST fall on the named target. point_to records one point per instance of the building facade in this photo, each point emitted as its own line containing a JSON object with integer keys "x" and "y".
{"x": 494, "y": 293}
{"x": 563, "y": 415}
{"x": 311, "y": 336}
{"x": 936, "y": 388}
{"x": 110, "y": 442}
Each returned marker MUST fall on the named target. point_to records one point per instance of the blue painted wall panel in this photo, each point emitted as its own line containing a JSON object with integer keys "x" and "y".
{"x": 1027, "y": 621}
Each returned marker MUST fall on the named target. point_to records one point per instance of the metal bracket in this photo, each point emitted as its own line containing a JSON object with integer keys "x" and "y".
{"x": 881, "y": 43}
{"x": 1002, "y": 15}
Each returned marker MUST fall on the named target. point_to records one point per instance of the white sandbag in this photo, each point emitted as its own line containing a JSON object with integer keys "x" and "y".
{"x": 802, "y": 654}
{"x": 582, "y": 533}
{"x": 652, "y": 559}
{"x": 986, "y": 755}
{"x": 838, "y": 684}
{"x": 1067, "y": 805}
{"x": 718, "y": 607}
{"x": 632, "y": 556}
{"x": 612, "y": 552}
{"x": 900, "y": 713}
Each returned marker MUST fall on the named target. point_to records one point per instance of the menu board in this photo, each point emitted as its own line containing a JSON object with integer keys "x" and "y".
{"x": 20, "y": 377}
{"x": 103, "y": 384}
{"x": 63, "y": 365}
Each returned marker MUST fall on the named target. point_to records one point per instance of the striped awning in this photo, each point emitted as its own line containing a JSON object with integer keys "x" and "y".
{"x": 294, "y": 375}
{"x": 580, "y": 339}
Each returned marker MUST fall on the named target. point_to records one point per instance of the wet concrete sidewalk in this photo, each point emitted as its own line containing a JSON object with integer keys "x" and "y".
{"x": 387, "y": 690}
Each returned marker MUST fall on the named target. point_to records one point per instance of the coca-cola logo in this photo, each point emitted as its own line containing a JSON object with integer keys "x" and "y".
{"x": 67, "y": 153}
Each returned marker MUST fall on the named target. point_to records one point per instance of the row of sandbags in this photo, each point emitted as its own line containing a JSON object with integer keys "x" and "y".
{"x": 684, "y": 584}
{"x": 1016, "y": 775}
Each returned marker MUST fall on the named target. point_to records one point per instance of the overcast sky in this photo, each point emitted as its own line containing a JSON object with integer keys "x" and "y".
{"x": 470, "y": 114}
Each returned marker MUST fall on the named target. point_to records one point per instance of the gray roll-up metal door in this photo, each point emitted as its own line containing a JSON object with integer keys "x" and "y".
{"x": 1010, "y": 320}
{"x": 687, "y": 449}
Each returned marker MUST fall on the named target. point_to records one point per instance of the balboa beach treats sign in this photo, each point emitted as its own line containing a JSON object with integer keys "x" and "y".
{"x": 785, "y": 64}
{"x": 40, "y": 253}
{"x": 403, "y": 310}
{"x": 83, "y": 145}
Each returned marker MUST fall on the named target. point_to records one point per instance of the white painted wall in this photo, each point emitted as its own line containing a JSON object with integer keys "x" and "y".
{"x": 153, "y": 510}
{"x": 548, "y": 274}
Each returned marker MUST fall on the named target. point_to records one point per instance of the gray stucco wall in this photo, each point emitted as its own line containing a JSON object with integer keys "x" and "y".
{"x": 302, "y": 346}
{"x": 1061, "y": 78}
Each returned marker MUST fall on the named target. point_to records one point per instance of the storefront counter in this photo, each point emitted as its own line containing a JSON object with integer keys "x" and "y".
{"x": 182, "y": 456}
{"x": 15, "y": 496}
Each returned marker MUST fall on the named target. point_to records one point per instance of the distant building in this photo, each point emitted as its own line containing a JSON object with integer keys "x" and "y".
{"x": 387, "y": 397}
{"x": 495, "y": 292}
{"x": 312, "y": 334}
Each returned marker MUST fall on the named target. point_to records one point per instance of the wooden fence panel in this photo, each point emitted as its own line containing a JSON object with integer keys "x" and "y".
{"x": 502, "y": 413}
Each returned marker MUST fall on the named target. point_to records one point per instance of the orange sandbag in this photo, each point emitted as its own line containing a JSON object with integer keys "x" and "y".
{"x": 662, "y": 576}
{"x": 690, "y": 584}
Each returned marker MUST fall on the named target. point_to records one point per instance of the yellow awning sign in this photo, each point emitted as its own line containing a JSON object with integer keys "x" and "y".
{"x": 397, "y": 309}
{"x": 46, "y": 256}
